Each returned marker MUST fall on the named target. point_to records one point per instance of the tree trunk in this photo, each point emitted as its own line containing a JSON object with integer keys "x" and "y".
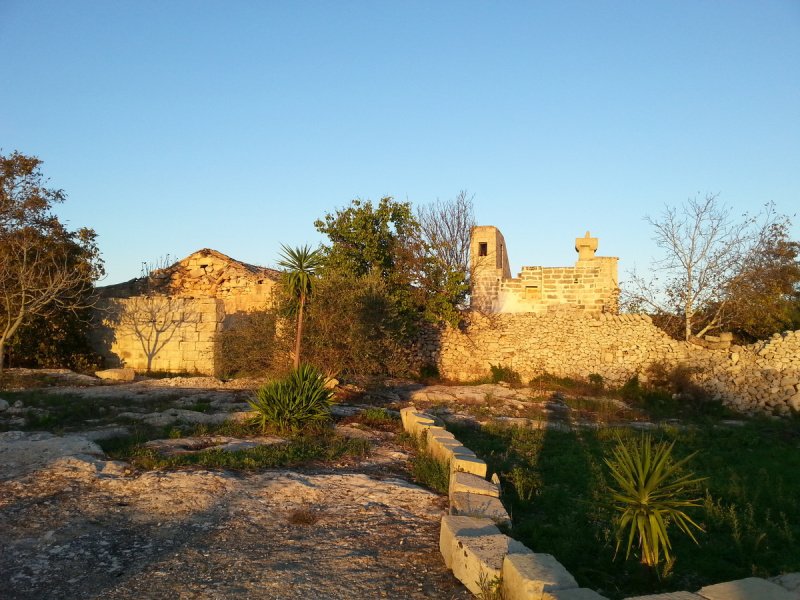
{"x": 299, "y": 335}
{"x": 2, "y": 355}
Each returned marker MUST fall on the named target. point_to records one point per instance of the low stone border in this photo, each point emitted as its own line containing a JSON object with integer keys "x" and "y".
{"x": 481, "y": 556}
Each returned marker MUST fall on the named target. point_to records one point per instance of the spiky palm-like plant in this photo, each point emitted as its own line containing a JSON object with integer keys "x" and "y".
{"x": 301, "y": 265}
{"x": 650, "y": 493}
{"x": 299, "y": 401}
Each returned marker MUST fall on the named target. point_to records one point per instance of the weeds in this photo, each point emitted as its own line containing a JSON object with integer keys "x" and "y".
{"x": 298, "y": 451}
{"x": 507, "y": 374}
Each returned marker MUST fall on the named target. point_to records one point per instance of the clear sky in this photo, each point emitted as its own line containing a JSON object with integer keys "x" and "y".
{"x": 177, "y": 125}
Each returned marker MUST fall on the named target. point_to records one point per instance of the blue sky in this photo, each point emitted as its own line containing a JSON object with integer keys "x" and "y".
{"x": 178, "y": 125}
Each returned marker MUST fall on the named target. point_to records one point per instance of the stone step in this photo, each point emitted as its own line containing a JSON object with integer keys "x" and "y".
{"x": 476, "y": 505}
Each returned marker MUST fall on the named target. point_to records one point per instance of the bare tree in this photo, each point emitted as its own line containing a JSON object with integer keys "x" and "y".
{"x": 705, "y": 250}
{"x": 44, "y": 268}
{"x": 446, "y": 228}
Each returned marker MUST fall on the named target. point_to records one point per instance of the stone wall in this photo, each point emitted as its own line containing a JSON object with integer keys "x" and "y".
{"x": 571, "y": 343}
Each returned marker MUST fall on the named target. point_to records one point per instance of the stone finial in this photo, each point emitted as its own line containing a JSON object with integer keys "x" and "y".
{"x": 586, "y": 247}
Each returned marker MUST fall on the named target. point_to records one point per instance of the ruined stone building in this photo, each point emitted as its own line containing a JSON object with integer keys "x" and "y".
{"x": 590, "y": 286}
{"x": 168, "y": 321}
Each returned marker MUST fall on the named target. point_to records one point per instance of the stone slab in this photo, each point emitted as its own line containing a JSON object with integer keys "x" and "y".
{"x": 123, "y": 374}
{"x": 467, "y": 482}
{"x": 453, "y": 526}
{"x": 468, "y": 464}
{"x": 573, "y": 594}
{"x": 476, "y": 505}
{"x": 751, "y": 588}
{"x": 790, "y": 581}
{"x": 528, "y": 575}
{"x": 668, "y": 596}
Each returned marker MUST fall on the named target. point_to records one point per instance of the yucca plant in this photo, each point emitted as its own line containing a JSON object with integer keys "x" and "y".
{"x": 299, "y": 401}
{"x": 649, "y": 494}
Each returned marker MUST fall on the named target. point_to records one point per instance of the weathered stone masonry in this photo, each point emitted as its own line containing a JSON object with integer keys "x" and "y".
{"x": 169, "y": 321}
{"x": 591, "y": 285}
{"x": 570, "y": 343}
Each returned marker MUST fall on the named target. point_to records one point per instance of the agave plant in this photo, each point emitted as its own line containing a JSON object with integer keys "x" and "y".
{"x": 299, "y": 401}
{"x": 650, "y": 493}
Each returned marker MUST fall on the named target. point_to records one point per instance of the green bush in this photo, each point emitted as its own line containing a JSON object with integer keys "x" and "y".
{"x": 248, "y": 345}
{"x": 596, "y": 380}
{"x": 649, "y": 494}
{"x": 507, "y": 374}
{"x": 299, "y": 401}
{"x": 429, "y": 371}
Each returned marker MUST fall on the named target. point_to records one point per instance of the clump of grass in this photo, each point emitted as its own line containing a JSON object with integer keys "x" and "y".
{"x": 431, "y": 473}
{"x": 296, "y": 452}
{"x": 378, "y": 418}
{"x": 425, "y": 469}
{"x": 507, "y": 374}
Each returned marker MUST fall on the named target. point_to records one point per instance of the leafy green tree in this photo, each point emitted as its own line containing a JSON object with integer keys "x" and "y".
{"x": 381, "y": 241}
{"x": 45, "y": 268}
{"x": 301, "y": 266}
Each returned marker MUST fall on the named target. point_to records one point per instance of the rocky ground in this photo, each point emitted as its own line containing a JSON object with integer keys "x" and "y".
{"x": 74, "y": 524}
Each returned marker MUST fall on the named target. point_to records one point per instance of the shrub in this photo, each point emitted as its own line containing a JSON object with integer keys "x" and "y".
{"x": 631, "y": 390}
{"x": 429, "y": 371}
{"x": 299, "y": 401}
{"x": 649, "y": 495}
{"x": 596, "y": 380}
{"x": 507, "y": 374}
{"x": 248, "y": 345}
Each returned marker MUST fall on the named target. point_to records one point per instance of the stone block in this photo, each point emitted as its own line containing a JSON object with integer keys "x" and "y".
{"x": 452, "y": 527}
{"x": 479, "y": 506}
{"x": 468, "y": 464}
{"x": 528, "y": 575}
{"x": 407, "y": 417}
{"x": 467, "y": 482}
{"x": 442, "y": 449}
{"x": 573, "y": 594}
{"x": 480, "y": 557}
{"x": 751, "y": 588}
{"x": 421, "y": 422}
{"x": 668, "y": 596}
{"x": 123, "y": 374}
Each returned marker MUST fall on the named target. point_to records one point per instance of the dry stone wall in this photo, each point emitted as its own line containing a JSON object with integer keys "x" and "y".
{"x": 763, "y": 377}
